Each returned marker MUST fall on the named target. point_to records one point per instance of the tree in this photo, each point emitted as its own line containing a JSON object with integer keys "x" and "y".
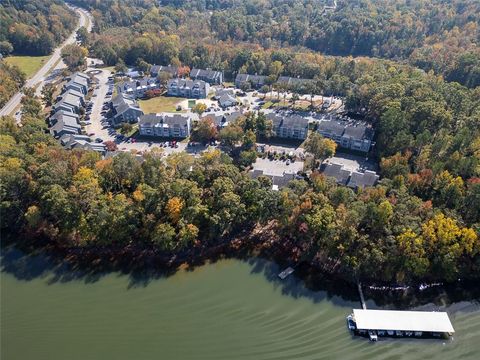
{"x": 320, "y": 147}
{"x": 120, "y": 67}
{"x": 83, "y": 36}
{"x": 74, "y": 56}
{"x": 174, "y": 208}
{"x": 110, "y": 145}
{"x": 231, "y": 135}
{"x": 295, "y": 98}
{"x": 164, "y": 236}
{"x": 247, "y": 158}
{"x": 6, "y": 48}
{"x": 187, "y": 235}
{"x": 47, "y": 93}
{"x": 206, "y": 130}
{"x": 163, "y": 77}
{"x": 199, "y": 108}
{"x": 126, "y": 128}
{"x": 142, "y": 65}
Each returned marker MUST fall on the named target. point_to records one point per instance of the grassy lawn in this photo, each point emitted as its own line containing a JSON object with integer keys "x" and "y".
{"x": 29, "y": 65}
{"x": 160, "y": 104}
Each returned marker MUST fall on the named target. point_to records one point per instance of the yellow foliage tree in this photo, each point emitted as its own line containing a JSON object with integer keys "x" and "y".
{"x": 174, "y": 208}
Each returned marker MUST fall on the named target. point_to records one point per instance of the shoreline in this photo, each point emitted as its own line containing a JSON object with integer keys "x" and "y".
{"x": 149, "y": 263}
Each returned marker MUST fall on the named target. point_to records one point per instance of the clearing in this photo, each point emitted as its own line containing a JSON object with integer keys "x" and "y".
{"x": 160, "y": 104}
{"x": 29, "y": 65}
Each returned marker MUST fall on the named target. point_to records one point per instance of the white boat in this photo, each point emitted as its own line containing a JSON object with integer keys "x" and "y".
{"x": 351, "y": 323}
{"x": 372, "y": 335}
{"x": 288, "y": 271}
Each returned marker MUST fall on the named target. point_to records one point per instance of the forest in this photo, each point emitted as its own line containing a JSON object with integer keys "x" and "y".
{"x": 420, "y": 223}
{"x": 34, "y": 27}
{"x": 29, "y": 27}
{"x": 434, "y": 35}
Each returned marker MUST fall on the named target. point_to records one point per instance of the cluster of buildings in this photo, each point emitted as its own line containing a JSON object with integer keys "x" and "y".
{"x": 173, "y": 125}
{"x": 347, "y": 133}
{"x": 64, "y": 121}
{"x": 138, "y": 88}
{"x": 178, "y": 125}
{"x": 124, "y": 109}
{"x": 197, "y": 89}
{"x": 289, "y": 126}
{"x": 352, "y": 179}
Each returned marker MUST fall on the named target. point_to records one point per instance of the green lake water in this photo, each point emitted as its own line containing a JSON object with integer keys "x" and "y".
{"x": 228, "y": 310}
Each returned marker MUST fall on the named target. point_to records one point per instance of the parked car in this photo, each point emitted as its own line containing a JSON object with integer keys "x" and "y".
{"x": 98, "y": 140}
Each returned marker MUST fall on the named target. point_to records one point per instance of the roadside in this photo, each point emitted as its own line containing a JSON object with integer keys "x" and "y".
{"x": 40, "y": 75}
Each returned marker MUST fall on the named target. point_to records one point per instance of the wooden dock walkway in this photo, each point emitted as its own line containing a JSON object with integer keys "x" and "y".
{"x": 362, "y": 299}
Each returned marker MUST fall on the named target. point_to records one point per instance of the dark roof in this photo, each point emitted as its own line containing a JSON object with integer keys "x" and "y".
{"x": 169, "y": 119}
{"x": 361, "y": 180}
{"x": 359, "y": 131}
{"x": 210, "y": 74}
{"x": 291, "y": 121}
{"x": 226, "y": 97}
{"x": 155, "y": 69}
{"x": 187, "y": 83}
{"x": 220, "y": 92}
{"x": 338, "y": 172}
{"x": 254, "y": 79}
{"x": 122, "y": 103}
{"x": 331, "y": 127}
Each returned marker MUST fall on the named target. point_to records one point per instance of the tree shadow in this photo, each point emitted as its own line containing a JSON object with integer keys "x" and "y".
{"x": 306, "y": 282}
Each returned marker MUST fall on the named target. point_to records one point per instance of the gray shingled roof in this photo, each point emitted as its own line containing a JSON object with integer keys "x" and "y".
{"x": 212, "y": 75}
{"x": 338, "y": 172}
{"x": 291, "y": 121}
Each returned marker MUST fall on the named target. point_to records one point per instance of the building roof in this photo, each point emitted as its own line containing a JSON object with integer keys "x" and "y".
{"x": 209, "y": 74}
{"x": 224, "y": 119}
{"x": 82, "y": 75}
{"x": 291, "y": 121}
{"x": 331, "y": 127}
{"x": 144, "y": 84}
{"x": 122, "y": 103}
{"x": 188, "y": 83}
{"x": 220, "y": 92}
{"x": 227, "y": 98}
{"x": 254, "y": 79}
{"x": 338, "y": 172}
{"x": 359, "y": 132}
{"x": 350, "y": 128}
{"x": 165, "y": 119}
{"x": 362, "y": 180}
{"x": 155, "y": 69}
{"x": 403, "y": 320}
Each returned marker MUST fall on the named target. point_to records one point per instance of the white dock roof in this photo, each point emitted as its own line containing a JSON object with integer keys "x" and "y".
{"x": 403, "y": 320}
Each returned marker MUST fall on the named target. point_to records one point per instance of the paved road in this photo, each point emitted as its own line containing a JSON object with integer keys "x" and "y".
{"x": 41, "y": 74}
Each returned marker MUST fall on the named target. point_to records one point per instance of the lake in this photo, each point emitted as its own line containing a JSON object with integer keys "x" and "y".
{"x": 231, "y": 309}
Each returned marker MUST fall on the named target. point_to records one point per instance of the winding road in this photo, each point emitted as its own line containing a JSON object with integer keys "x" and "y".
{"x": 53, "y": 62}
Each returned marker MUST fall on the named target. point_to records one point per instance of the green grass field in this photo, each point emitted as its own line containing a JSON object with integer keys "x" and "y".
{"x": 160, "y": 104}
{"x": 29, "y": 65}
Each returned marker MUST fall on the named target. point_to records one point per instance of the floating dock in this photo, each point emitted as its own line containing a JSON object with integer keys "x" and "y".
{"x": 288, "y": 271}
{"x": 401, "y": 323}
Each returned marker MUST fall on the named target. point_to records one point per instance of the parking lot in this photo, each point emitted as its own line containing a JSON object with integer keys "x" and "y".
{"x": 277, "y": 167}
